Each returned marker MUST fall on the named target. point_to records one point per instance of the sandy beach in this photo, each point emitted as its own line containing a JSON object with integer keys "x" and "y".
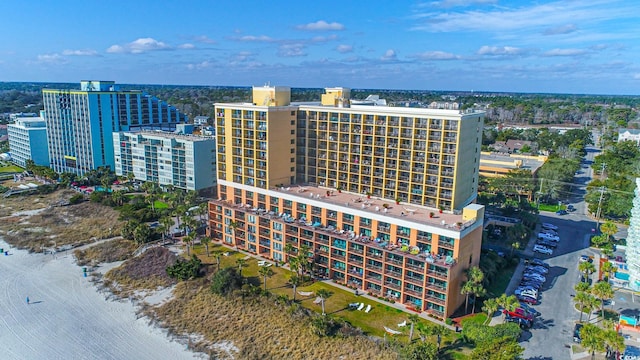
{"x": 67, "y": 317}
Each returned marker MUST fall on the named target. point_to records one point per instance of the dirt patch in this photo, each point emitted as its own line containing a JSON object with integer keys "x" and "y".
{"x": 32, "y": 201}
{"x": 144, "y": 272}
{"x": 106, "y": 252}
{"x": 56, "y": 225}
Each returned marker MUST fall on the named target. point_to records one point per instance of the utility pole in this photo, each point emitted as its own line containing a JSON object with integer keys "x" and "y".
{"x": 600, "y": 201}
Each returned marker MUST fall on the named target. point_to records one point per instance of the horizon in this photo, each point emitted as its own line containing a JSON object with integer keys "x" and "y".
{"x": 480, "y": 46}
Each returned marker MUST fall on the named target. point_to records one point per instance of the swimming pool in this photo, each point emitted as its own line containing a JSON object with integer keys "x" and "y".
{"x": 100, "y": 188}
{"x": 622, "y": 276}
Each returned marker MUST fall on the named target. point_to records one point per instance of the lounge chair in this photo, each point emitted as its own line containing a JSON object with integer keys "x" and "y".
{"x": 402, "y": 324}
{"x": 354, "y": 305}
{"x": 391, "y": 331}
{"x": 361, "y": 306}
{"x": 368, "y": 308}
{"x": 305, "y": 293}
{"x": 318, "y": 300}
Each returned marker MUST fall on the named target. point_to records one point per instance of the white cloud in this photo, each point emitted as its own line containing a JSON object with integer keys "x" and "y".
{"x": 499, "y": 50}
{"x": 565, "y": 52}
{"x": 344, "y": 48}
{"x": 321, "y": 25}
{"x": 291, "y": 50}
{"x": 560, "y": 30}
{"x": 204, "y": 39}
{"x": 85, "y": 52}
{"x": 56, "y": 59}
{"x": 202, "y": 65}
{"x": 261, "y": 38}
{"x": 186, "y": 46}
{"x": 454, "y": 3}
{"x": 320, "y": 39}
{"x": 242, "y": 56}
{"x": 436, "y": 55}
{"x": 139, "y": 46}
{"x": 389, "y": 55}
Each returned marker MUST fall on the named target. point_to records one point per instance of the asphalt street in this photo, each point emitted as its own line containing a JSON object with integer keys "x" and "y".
{"x": 551, "y": 335}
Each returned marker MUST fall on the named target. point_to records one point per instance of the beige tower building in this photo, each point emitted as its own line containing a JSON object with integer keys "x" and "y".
{"x": 380, "y": 198}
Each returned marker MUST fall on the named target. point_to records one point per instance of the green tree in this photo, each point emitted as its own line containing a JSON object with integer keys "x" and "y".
{"x": 583, "y": 301}
{"x": 609, "y": 228}
{"x": 478, "y": 291}
{"x": 582, "y": 287}
{"x": 592, "y": 339}
{"x": 490, "y": 306}
{"x": 265, "y": 272}
{"x": 419, "y": 351}
{"x": 503, "y": 348}
{"x": 206, "y": 241}
{"x": 241, "y": 263}
{"x": 602, "y": 291}
{"x": 141, "y": 234}
{"x": 225, "y": 281}
{"x": 586, "y": 268}
{"x": 466, "y": 290}
{"x": 118, "y": 197}
{"x": 217, "y": 255}
{"x": 413, "y": 320}
{"x": 607, "y": 269}
{"x": 613, "y": 341}
{"x": 185, "y": 270}
{"x": 323, "y": 294}
{"x": 234, "y": 225}
{"x": 294, "y": 281}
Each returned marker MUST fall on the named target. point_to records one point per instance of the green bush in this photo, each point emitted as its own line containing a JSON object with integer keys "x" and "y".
{"x": 448, "y": 321}
{"x": 225, "y": 281}
{"x": 76, "y": 199}
{"x": 185, "y": 270}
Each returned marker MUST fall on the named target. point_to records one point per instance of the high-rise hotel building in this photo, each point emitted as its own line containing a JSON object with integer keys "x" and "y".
{"x": 382, "y": 197}
{"x": 80, "y": 123}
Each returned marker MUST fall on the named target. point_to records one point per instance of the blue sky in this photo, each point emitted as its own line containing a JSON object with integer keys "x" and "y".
{"x": 582, "y": 46}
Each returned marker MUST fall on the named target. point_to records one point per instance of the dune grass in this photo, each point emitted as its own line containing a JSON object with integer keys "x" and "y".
{"x": 106, "y": 252}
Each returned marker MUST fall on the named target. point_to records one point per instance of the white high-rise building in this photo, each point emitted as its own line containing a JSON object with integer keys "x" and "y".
{"x": 28, "y": 141}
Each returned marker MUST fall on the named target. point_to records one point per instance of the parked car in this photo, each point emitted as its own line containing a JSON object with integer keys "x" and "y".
{"x": 524, "y": 323}
{"x": 571, "y": 208}
{"x": 537, "y": 262}
{"x": 576, "y": 333}
{"x": 528, "y": 288}
{"x": 547, "y": 243}
{"x": 549, "y": 226}
{"x": 542, "y": 249}
{"x": 539, "y": 269}
{"x": 549, "y": 231}
{"x": 527, "y": 299}
{"x": 547, "y": 236}
{"x": 561, "y": 212}
{"x": 585, "y": 258}
{"x": 534, "y": 276}
{"x": 526, "y": 292}
{"x": 519, "y": 312}
{"x": 537, "y": 284}
{"x": 529, "y": 309}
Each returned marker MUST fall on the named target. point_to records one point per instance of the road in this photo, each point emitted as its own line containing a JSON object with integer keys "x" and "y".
{"x": 551, "y": 335}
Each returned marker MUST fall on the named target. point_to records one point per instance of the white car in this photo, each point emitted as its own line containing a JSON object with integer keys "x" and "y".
{"x": 549, "y": 231}
{"x": 549, "y": 226}
{"x": 529, "y": 293}
{"x": 547, "y": 236}
{"x": 542, "y": 249}
{"x": 534, "y": 276}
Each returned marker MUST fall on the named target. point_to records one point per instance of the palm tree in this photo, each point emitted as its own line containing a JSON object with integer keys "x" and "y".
{"x": 508, "y": 302}
{"x": 234, "y": 225}
{"x": 118, "y": 197}
{"x": 303, "y": 255}
{"x": 217, "y": 255}
{"x": 602, "y": 291}
{"x": 241, "y": 263}
{"x": 288, "y": 249}
{"x": 490, "y": 306}
{"x": 323, "y": 294}
{"x": 609, "y": 228}
{"x": 607, "y": 270}
{"x": 581, "y": 299}
{"x": 515, "y": 246}
{"x": 206, "y": 241}
{"x": 166, "y": 224}
{"x": 613, "y": 341}
{"x": 586, "y": 268}
{"x": 294, "y": 264}
{"x": 265, "y": 272}
{"x": 582, "y": 287}
{"x": 592, "y": 339}
{"x": 295, "y": 281}
{"x": 413, "y": 319}
{"x": 188, "y": 240}
{"x": 478, "y": 290}
{"x": 475, "y": 275}
{"x": 466, "y": 290}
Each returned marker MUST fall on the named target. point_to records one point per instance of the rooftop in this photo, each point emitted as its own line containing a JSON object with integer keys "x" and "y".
{"x": 403, "y": 214}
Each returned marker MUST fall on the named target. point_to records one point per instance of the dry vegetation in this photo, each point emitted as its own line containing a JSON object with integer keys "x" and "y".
{"x": 144, "y": 272}
{"x": 258, "y": 328}
{"x": 59, "y": 225}
{"x": 106, "y": 252}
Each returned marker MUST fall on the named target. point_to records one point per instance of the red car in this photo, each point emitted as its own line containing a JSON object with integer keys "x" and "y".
{"x": 528, "y": 300}
{"x": 520, "y": 313}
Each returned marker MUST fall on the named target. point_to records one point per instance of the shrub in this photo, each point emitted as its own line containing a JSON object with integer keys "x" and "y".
{"x": 226, "y": 281}
{"x": 185, "y": 270}
{"x": 448, "y": 321}
{"x": 76, "y": 199}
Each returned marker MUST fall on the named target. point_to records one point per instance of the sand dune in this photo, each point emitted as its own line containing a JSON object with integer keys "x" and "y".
{"x": 67, "y": 317}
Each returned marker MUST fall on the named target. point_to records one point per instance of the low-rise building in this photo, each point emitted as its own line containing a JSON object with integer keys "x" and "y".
{"x": 28, "y": 141}
{"x": 629, "y": 135}
{"x": 184, "y": 161}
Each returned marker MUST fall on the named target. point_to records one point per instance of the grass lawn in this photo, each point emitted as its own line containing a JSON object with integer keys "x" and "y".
{"x": 372, "y": 323}
{"x": 10, "y": 169}
{"x": 500, "y": 283}
{"x": 160, "y": 205}
{"x": 549, "y": 207}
